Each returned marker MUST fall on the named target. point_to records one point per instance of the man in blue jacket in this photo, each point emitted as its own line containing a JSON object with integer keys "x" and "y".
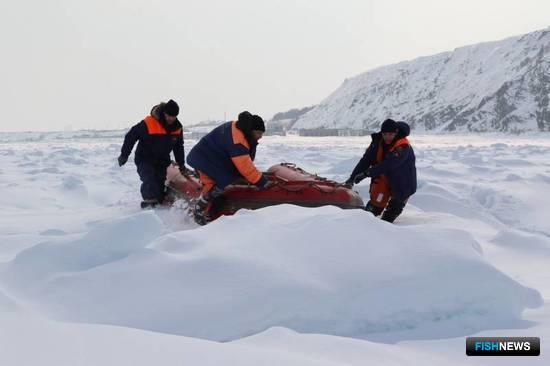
{"x": 158, "y": 134}
{"x": 224, "y": 155}
{"x": 390, "y": 163}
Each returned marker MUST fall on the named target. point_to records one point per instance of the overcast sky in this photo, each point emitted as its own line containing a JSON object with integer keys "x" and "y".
{"x": 70, "y": 64}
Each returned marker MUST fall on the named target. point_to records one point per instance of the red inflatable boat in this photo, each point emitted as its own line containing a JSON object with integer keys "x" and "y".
{"x": 290, "y": 184}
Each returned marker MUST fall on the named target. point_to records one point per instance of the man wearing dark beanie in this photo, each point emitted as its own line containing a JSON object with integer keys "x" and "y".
{"x": 390, "y": 163}
{"x": 171, "y": 108}
{"x": 224, "y": 155}
{"x": 389, "y": 125}
{"x": 159, "y": 134}
{"x": 258, "y": 123}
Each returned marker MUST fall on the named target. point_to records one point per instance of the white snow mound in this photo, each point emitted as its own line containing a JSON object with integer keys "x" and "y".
{"x": 323, "y": 270}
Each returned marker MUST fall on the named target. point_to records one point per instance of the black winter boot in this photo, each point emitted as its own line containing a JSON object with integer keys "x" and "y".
{"x": 200, "y": 214}
{"x": 149, "y": 203}
{"x": 394, "y": 209}
{"x": 375, "y": 210}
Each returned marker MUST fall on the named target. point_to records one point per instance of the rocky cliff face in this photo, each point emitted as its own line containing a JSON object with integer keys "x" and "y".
{"x": 496, "y": 86}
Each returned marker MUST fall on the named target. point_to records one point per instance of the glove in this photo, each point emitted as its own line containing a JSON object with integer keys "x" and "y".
{"x": 359, "y": 177}
{"x": 349, "y": 183}
{"x": 122, "y": 160}
{"x": 268, "y": 185}
{"x": 184, "y": 170}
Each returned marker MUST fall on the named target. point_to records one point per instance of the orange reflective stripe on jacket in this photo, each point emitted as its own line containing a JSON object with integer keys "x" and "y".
{"x": 154, "y": 127}
{"x": 246, "y": 167}
{"x": 244, "y": 163}
{"x": 380, "y": 151}
{"x": 238, "y": 136}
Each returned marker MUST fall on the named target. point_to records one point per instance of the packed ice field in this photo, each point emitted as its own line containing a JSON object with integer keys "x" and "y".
{"x": 88, "y": 278}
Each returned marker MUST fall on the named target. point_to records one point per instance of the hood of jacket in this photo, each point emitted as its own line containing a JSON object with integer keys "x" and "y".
{"x": 158, "y": 113}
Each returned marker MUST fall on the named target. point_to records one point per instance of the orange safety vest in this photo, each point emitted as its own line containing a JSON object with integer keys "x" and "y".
{"x": 380, "y": 187}
{"x": 380, "y": 151}
{"x": 154, "y": 127}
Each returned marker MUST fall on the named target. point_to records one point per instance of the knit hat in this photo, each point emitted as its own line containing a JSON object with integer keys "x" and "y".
{"x": 171, "y": 108}
{"x": 257, "y": 123}
{"x": 244, "y": 122}
{"x": 389, "y": 125}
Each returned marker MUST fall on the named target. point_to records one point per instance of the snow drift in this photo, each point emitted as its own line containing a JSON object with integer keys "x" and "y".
{"x": 321, "y": 270}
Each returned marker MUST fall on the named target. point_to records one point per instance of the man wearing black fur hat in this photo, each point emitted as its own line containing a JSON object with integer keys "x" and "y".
{"x": 390, "y": 163}
{"x": 225, "y": 155}
{"x": 158, "y": 134}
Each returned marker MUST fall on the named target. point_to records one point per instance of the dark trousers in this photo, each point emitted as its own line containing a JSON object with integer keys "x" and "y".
{"x": 153, "y": 178}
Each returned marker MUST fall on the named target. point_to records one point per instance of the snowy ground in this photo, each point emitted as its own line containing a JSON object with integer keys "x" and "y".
{"x": 86, "y": 278}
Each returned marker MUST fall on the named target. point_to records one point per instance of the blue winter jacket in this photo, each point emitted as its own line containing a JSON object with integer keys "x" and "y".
{"x": 225, "y": 155}
{"x": 157, "y": 140}
{"x": 399, "y": 165}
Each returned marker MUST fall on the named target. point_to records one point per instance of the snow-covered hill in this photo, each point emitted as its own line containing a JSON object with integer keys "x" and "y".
{"x": 495, "y": 86}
